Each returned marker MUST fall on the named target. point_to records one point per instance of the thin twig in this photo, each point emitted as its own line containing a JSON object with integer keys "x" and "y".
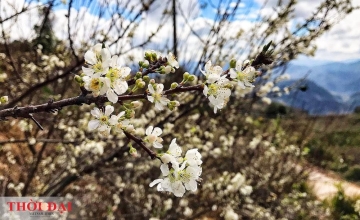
{"x": 140, "y": 142}
{"x": 35, "y": 121}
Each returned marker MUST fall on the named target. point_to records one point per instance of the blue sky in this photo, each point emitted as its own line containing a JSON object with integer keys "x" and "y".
{"x": 341, "y": 43}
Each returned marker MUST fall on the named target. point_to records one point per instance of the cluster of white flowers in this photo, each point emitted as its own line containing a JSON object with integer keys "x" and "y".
{"x": 180, "y": 173}
{"x": 104, "y": 121}
{"x": 217, "y": 87}
{"x": 103, "y": 74}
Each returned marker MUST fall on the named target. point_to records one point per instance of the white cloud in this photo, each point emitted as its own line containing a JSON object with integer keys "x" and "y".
{"x": 19, "y": 27}
{"x": 340, "y": 43}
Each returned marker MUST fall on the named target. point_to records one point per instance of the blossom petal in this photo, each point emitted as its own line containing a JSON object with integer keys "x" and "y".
{"x": 239, "y": 65}
{"x": 120, "y": 87}
{"x": 191, "y": 185}
{"x": 105, "y": 55}
{"x": 90, "y": 57}
{"x": 96, "y": 112}
{"x": 159, "y": 88}
{"x": 110, "y": 94}
{"x": 109, "y": 109}
{"x": 157, "y": 145}
{"x": 149, "y": 130}
{"x": 159, "y": 106}
{"x": 157, "y": 131}
{"x": 125, "y": 71}
{"x": 87, "y": 71}
{"x": 153, "y": 183}
{"x": 164, "y": 169}
{"x": 150, "y": 98}
{"x": 178, "y": 189}
{"x": 114, "y": 60}
{"x": 151, "y": 89}
{"x": 233, "y": 74}
{"x": 93, "y": 124}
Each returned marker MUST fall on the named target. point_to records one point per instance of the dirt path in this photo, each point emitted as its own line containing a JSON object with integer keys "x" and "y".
{"x": 324, "y": 184}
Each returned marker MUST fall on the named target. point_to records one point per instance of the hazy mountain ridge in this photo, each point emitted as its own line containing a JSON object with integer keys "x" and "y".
{"x": 338, "y": 78}
{"x": 332, "y": 88}
{"x": 314, "y": 100}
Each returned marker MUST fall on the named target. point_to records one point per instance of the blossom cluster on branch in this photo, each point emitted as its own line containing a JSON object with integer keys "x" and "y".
{"x": 105, "y": 82}
{"x": 104, "y": 75}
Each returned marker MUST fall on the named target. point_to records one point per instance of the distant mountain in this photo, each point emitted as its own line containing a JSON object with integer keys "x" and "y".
{"x": 354, "y": 100}
{"x": 315, "y": 99}
{"x": 339, "y": 78}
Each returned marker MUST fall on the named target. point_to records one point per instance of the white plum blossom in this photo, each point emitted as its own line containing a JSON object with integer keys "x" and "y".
{"x": 173, "y": 153}
{"x": 98, "y": 59}
{"x": 217, "y": 86}
{"x": 218, "y": 93}
{"x": 96, "y": 84}
{"x": 174, "y": 149}
{"x": 243, "y": 73}
{"x": 189, "y": 176}
{"x": 156, "y": 96}
{"x": 119, "y": 122}
{"x": 172, "y": 61}
{"x": 102, "y": 119}
{"x": 115, "y": 80}
{"x": 104, "y": 75}
{"x": 212, "y": 73}
{"x": 193, "y": 157}
{"x": 217, "y": 102}
{"x": 153, "y": 136}
{"x": 179, "y": 177}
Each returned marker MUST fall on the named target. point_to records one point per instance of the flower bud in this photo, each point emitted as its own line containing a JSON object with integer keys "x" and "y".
{"x": 136, "y": 104}
{"x": 133, "y": 152}
{"x": 78, "y": 79}
{"x": 154, "y": 56}
{"x": 144, "y": 64}
{"x": 191, "y": 78}
{"x": 141, "y": 84}
{"x": 4, "y": 99}
{"x": 186, "y": 76}
{"x": 152, "y": 81}
{"x": 146, "y": 78}
{"x": 138, "y": 75}
{"x": 173, "y": 104}
{"x": 148, "y": 55}
{"x": 174, "y": 85}
{"x": 232, "y": 63}
{"x": 129, "y": 113}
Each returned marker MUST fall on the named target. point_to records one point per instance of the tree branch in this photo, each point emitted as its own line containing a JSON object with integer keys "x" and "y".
{"x": 24, "y": 112}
